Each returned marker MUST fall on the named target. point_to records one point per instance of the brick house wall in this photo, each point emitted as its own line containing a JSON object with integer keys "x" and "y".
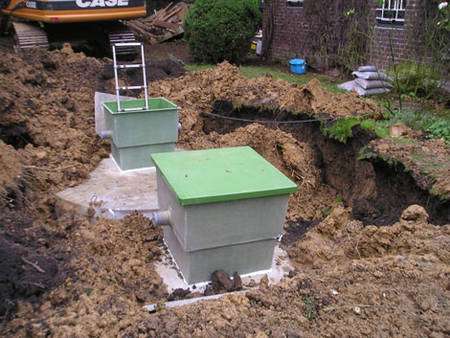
{"x": 288, "y": 38}
{"x": 290, "y": 31}
{"x": 401, "y": 37}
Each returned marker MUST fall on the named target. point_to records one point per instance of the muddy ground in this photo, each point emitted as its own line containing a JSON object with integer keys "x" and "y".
{"x": 367, "y": 263}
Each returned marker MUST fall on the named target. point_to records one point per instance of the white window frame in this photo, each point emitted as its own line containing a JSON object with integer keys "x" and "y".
{"x": 396, "y": 7}
{"x": 295, "y": 3}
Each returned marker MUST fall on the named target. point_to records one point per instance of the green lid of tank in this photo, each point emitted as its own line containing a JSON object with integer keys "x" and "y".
{"x": 220, "y": 175}
{"x": 155, "y": 104}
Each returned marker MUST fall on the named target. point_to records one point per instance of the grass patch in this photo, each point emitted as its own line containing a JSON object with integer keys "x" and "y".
{"x": 434, "y": 124}
{"x": 310, "y": 304}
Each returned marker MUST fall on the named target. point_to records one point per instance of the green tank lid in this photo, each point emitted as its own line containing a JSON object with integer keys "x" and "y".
{"x": 221, "y": 175}
{"x": 155, "y": 104}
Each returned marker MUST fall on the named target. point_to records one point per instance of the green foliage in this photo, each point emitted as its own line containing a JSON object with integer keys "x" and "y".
{"x": 444, "y": 17}
{"x": 379, "y": 128}
{"x": 310, "y": 307}
{"x": 339, "y": 200}
{"x": 353, "y": 51}
{"x": 218, "y": 30}
{"x": 341, "y": 130}
{"x": 439, "y": 129}
{"x": 436, "y": 126}
{"x": 367, "y": 153}
{"x": 416, "y": 80}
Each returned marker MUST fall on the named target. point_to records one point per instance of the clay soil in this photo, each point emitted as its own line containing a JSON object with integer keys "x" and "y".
{"x": 66, "y": 275}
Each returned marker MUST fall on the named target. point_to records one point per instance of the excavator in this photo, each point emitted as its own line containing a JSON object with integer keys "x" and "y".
{"x": 36, "y": 23}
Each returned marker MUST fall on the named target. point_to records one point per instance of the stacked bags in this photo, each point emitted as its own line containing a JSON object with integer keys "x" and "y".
{"x": 369, "y": 81}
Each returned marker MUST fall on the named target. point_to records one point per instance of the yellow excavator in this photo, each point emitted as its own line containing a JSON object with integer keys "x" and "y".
{"x": 36, "y": 22}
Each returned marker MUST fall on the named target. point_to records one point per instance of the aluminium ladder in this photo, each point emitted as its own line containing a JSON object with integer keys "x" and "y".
{"x": 126, "y": 66}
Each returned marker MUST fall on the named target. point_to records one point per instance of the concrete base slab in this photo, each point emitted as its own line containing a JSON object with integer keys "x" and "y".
{"x": 112, "y": 193}
{"x": 173, "y": 278}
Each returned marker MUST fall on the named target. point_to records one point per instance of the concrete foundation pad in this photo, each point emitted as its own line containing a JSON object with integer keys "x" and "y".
{"x": 112, "y": 193}
{"x": 173, "y": 278}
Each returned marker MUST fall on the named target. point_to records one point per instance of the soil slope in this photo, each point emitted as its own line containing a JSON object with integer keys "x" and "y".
{"x": 66, "y": 276}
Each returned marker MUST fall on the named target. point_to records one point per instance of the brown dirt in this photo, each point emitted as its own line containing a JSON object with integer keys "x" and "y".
{"x": 11, "y": 168}
{"x": 350, "y": 280}
{"x": 428, "y": 161}
{"x": 56, "y": 111}
{"x": 177, "y": 49}
{"x": 112, "y": 279}
{"x": 196, "y": 92}
{"x": 46, "y": 114}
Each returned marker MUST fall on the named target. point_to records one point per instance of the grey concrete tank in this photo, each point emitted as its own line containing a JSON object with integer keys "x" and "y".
{"x": 136, "y": 134}
{"x": 224, "y": 208}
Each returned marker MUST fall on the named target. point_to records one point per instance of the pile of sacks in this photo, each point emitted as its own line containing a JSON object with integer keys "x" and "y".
{"x": 369, "y": 81}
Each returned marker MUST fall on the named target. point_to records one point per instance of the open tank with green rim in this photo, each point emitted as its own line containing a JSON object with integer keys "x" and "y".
{"x": 225, "y": 207}
{"x": 136, "y": 134}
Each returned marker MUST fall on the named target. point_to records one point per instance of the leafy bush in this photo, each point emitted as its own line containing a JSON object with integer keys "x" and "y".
{"x": 342, "y": 129}
{"x": 417, "y": 80}
{"x": 218, "y": 30}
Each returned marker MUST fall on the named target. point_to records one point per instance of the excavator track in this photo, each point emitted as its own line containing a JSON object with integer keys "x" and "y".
{"x": 121, "y": 35}
{"x": 28, "y": 36}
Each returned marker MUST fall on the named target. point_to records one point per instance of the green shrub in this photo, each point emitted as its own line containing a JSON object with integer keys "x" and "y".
{"x": 342, "y": 129}
{"x": 218, "y": 30}
{"x": 416, "y": 80}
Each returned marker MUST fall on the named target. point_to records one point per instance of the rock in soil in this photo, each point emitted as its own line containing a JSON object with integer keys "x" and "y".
{"x": 178, "y": 294}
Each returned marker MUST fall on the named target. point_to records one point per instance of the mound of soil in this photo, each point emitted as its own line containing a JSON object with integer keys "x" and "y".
{"x": 112, "y": 278}
{"x": 24, "y": 274}
{"x": 50, "y": 95}
{"x": 196, "y": 92}
{"x": 155, "y": 70}
{"x": 428, "y": 161}
{"x": 46, "y": 114}
{"x": 11, "y": 168}
{"x": 352, "y": 281}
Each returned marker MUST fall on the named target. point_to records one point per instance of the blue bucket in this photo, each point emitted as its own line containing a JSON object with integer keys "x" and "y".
{"x": 298, "y": 66}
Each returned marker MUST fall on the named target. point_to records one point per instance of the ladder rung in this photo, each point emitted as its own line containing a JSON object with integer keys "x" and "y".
{"x": 125, "y": 44}
{"x": 132, "y": 87}
{"x": 137, "y": 65}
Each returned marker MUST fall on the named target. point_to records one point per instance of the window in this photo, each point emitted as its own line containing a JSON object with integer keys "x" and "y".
{"x": 295, "y": 3}
{"x": 392, "y": 12}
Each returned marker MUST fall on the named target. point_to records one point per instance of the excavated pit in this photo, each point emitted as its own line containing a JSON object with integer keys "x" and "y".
{"x": 376, "y": 191}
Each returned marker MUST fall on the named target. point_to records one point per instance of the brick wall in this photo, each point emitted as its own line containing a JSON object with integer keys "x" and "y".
{"x": 291, "y": 32}
{"x": 401, "y": 37}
